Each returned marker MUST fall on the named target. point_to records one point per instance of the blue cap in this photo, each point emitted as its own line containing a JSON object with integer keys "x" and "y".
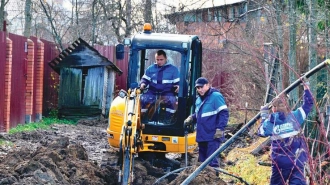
{"x": 201, "y": 81}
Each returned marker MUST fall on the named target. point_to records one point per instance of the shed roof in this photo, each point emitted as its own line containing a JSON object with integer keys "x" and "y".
{"x": 80, "y": 54}
{"x": 200, "y": 6}
{"x": 209, "y": 4}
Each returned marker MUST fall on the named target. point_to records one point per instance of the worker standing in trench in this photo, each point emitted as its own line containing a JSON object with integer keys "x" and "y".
{"x": 289, "y": 150}
{"x": 211, "y": 116}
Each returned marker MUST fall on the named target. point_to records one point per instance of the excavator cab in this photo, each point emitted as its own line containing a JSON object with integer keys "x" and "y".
{"x": 161, "y": 114}
{"x": 156, "y": 126}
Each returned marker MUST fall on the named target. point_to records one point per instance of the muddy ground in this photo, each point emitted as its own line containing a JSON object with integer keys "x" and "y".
{"x": 68, "y": 154}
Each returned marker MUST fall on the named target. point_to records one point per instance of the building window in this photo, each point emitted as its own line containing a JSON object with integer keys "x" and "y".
{"x": 206, "y": 15}
{"x": 199, "y": 17}
{"x": 189, "y": 17}
{"x": 231, "y": 13}
{"x": 209, "y": 15}
{"x": 242, "y": 10}
{"x": 217, "y": 16}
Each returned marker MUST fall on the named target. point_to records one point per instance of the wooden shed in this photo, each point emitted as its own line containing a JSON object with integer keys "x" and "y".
{"x": 87, "y": 81}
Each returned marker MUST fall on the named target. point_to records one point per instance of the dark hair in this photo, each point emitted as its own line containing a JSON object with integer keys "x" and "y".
{"x": 281, "y": 104}
{"x": 161, "y": 52}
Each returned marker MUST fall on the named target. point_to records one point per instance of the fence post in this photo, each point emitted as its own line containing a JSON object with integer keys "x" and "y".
{"x": 39, "y": 80}
{"x": 29, "y": 81}
{"x": 8, "y": 73}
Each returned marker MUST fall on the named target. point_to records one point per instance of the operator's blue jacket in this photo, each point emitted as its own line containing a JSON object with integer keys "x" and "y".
{"x": 211, "y": 113}
{"x": 288, "y": 145}
{"x": 161, "y": 78}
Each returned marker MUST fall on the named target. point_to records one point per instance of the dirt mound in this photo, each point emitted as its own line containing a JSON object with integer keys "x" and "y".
{"x": 56, "y": 163}
{"x": 69, "y": 154}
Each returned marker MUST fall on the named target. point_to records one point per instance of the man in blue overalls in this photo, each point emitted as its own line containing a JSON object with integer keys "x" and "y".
{"x": 212, "y": 116}
{"x": 289, "y": 149}
{"x": 162, "y": 78}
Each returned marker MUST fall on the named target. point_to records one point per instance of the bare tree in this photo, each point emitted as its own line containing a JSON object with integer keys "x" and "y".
{"x": 2, "y": 13}
{"x": 292, "y": 49}
{"x": 50, "y": 17}
{"x": 93, "y": 21}
{"x": 279, "y": 31}
{"x": 123, "y": 16}
{"x": 128, "y": 18}
{"x": 96, "y": 21}
{"x": 28, "y": 18}
{"x": 312, "y": 36}
{"x": 327, "y": 40}
{"x": 148, "y": 12}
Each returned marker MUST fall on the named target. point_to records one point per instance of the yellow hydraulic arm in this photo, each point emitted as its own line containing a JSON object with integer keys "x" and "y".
{"x": 130, "y": 138}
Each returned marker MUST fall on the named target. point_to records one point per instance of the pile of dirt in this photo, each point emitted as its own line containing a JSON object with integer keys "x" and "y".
{"x": 56, "y": 163}
{"x": 69, "y": 154}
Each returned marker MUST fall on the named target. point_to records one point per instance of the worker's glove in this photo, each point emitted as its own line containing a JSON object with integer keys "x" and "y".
{"x": 218, "y": 133}
{"x": 188, "y": 121}
{"x": 264, "y": 110}
{"x": 176, "y": 88}
{"x": 188, "y": 124}
{"x": 142, "y": 86}
{"x": 304, "y": 82}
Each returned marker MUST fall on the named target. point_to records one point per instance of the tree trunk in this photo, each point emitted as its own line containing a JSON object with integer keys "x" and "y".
{"x": 292, "y": 50}
{"x": 28, "y": 18}
{"x": 312, "y": 43}
{"x": 278, "y": 7}
{"x": 2, "y": 14}
{"x": 93, "y": 23}
{"x": 128, "y": 18}
{"x": 327, "y": 44}
{"x": 77, "y": 17}
{"x": 72, "y": 11}
{"x": 55, "y": 34}
{"x": 148, "y": 12}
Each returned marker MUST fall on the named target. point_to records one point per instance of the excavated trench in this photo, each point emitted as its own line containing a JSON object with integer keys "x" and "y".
{"x": 68, "y": 154}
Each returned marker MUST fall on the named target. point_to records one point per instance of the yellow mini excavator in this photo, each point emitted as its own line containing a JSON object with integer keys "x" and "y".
{"x": 154, "y": 133}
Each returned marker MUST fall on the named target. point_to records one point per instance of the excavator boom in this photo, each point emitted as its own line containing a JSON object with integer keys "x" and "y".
{"x": 130, "y": 137}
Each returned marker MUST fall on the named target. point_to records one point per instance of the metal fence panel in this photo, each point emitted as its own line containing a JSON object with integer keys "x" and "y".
{"x": 121, "y": 81}
{"x": 2, "y": 78}
{"x": 51, "y": 80}
{"x": 19, "y": 67}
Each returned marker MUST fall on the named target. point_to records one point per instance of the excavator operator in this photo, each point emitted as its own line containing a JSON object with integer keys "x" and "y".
{"x": 162, "y": 80}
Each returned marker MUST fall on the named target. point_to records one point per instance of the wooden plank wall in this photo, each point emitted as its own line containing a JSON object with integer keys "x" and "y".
{"x": 110, "y": 53}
